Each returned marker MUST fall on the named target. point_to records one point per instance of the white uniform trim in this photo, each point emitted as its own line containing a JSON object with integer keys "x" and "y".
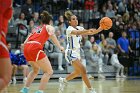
{"x": 3, "y": 34}
{"x": 33, "y": 42}
{"x": 38, "y": 54}
{"x": 1, "y": 43}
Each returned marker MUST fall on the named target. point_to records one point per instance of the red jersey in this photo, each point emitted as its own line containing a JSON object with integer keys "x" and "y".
{"x": 41, "y": 35}
{"x": 5, "y": 15}
{"x": 33, "y": 48}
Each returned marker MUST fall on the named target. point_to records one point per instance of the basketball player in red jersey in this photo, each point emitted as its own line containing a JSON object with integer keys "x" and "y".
{"x": 34, "y": 54}
{"x": 5, "y": 64}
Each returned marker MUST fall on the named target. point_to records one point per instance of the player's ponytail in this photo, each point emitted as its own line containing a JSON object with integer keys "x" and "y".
{"x": 45, "y": 17}
{"x": 68, "y": 15}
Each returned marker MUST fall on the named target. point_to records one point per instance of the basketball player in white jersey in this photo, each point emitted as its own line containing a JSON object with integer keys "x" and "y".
{"x": 72, "y": 52}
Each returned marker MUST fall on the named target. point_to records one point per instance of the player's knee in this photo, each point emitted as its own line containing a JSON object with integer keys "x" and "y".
{"x": 83, "y": 70}
{"x": 35, "y": 71}
{"x": 50, "y": 72}
{"x": 25, "y": 67}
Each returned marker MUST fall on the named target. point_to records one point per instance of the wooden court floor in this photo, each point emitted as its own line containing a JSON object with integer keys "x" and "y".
{"x": 109, "y": 85}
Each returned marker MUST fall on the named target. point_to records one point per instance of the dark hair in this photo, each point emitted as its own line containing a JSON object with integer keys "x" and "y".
{"x": 45, "y": 17}
{"x": 21, "y": 14}
{"x": 68, "y": 15}
{"x": 116, "y": 51}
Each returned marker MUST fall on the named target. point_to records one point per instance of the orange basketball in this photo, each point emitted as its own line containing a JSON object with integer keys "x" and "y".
{"x": 106, "y": 23}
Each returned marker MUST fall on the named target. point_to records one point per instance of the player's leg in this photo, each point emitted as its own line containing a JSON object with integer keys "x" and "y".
{"x": 5, "y": 72}
{"x": 31, "y": 76}
{"x": 45, "y": 65}
{"x": 25, "y": 72}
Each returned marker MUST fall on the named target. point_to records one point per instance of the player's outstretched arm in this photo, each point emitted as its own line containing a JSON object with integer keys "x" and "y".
{"x": 86, "y": 32}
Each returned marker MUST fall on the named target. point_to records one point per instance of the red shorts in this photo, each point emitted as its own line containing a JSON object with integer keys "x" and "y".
{"x": 4, "y": 52}
{"x": 33, "y": 52}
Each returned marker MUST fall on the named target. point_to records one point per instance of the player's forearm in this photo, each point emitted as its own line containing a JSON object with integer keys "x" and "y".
{"x": 80, "y": 32}
{"x": 97, "y": 30}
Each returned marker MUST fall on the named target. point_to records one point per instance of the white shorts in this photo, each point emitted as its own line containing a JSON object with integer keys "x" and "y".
{"x": 72, "y": 55}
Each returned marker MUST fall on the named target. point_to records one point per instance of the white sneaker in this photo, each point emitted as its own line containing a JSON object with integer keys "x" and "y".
{"x": 90, "y": 76}
{"x": 14, "y": 80}
{"x": 101, "y": 77}
{"x": 118, "y": 76}
{"x": 92, "y": 91}
{"x": 24, "y": 80}
{"x": 123, "y": 76}
{"x": 62, "y": 84}
{"x": 60, "y": 68}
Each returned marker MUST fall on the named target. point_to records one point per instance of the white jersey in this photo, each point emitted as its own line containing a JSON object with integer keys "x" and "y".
{"x": 73, "y": 41}
{"x": 114, "y": 59}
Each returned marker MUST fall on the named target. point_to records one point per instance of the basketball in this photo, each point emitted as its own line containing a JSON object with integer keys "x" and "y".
{"x": 105, "y": 23}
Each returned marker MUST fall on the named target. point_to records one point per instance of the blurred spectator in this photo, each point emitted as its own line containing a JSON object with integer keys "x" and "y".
{"x": 105, "y": 51}
{"x": 115, "y": 62}
{"x": 134, "y": 36}
{"x": 122, "y": 7}
{"x": 60, "y": 20}
{"x": 18, "y": 62}
{"x": 103, "y": 10}
{"x": 55, "y": 53}
{"x": 13, "y": 58}
{"x": 36, "y": 19}
{"x": 89, "y": 6}
{"x": 111, "y": 43}
{"x": 88, "y": 46}
{"x": 124, "y": 48}
{"x": 96, "y": 13}
{"x": 21, "y": 20}
{"x": 130, "y": 6}
{"x": 21, "y": 24}
{"x": 96, "y": 59}
{"x": 70, "y": 4}
{"x": 28, "y": 10}
{"x": 123, "y": 44}
{"x": 110, "y": 12}
{"x": 31, "y": 26}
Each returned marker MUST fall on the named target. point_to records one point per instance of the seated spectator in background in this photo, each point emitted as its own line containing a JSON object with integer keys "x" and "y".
{"x": 55, "y": 53}
{"x": 21, "y": 20}
{"x": 36, "y": 19}
{"x": 96, "y": 59}
{"x": 115, "y": 62}
{"x": 13, "y": 58}
{"x": 28, "y": 10}
{"x": 60, "y": 25}
{"x": 31, "y": 26}
{"x": 111, "y": 43}
{"x": 105, "y": 51}
{"x": 88, "y": 43}
{"x": 20, "y": 63}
